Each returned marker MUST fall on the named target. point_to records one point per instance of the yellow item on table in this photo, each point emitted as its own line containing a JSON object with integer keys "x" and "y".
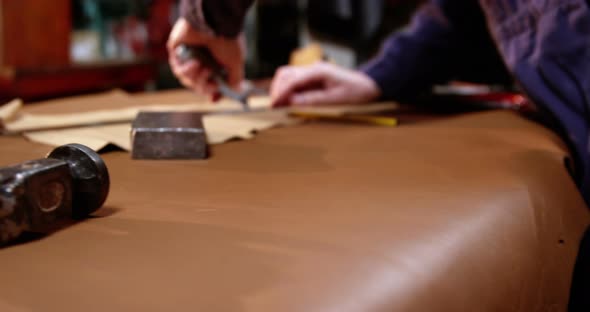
{"x": 368, "y": 119}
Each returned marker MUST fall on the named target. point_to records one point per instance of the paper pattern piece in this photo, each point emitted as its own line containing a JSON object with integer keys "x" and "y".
{"x": 96, "y": 137}
{"x": 34, "y": 122}
{"x": 113, "y": 126}
{"x": 219, "y": 129}
{"x": 9, "y": 110}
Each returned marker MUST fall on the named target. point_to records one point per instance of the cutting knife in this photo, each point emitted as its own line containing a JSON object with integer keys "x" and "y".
{"x": 219, "y": 74}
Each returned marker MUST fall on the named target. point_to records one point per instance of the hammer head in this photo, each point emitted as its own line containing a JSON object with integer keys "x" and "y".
{"x": 168, "y": 135}
{"x": 38, "y": 195}
{"x": 90, "y": 177}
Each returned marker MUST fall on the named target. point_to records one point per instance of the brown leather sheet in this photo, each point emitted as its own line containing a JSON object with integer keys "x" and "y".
{"x": 470, "y": 213}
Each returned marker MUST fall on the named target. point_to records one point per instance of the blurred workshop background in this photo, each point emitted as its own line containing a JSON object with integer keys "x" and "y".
{"x": 55, "y": 48}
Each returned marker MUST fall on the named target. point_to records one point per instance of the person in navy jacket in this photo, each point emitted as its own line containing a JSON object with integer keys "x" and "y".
{"x": 542, "y": 45}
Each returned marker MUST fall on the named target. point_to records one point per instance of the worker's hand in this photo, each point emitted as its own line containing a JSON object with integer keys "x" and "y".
{"x": 321, "y": 83}
{"x": 193, "y": 75}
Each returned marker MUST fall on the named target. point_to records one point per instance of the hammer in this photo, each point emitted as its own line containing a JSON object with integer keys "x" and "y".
{"x": 37, "y": 195}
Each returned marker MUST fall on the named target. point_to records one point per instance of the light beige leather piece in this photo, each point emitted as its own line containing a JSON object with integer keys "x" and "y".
{"x": 471, "y": 213}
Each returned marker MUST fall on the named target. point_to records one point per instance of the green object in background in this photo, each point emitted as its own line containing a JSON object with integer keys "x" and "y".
{"x": 100, "y": 15}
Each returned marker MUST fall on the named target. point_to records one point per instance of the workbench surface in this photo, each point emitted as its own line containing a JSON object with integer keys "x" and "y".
{"x": 466, "y": 213}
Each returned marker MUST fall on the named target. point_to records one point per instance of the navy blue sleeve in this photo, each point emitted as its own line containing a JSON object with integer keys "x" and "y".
{"x": 447, "y": 39}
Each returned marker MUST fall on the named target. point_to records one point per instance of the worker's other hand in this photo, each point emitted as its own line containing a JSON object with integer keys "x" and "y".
{"x": 192, "y": 74}
{"x": 321, "y": 83}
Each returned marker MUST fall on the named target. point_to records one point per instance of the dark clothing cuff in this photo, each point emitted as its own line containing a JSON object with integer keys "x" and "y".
{"x": 192, "y": 11}
{"x": 221, "y": 18}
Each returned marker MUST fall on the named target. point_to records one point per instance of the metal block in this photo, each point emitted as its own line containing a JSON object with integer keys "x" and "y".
{"x": 168, "y": 135}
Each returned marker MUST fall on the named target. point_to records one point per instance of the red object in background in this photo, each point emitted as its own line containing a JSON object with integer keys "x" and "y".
{"x": 485, "y": 96}
{"x": 35, "y": 51}
{"x": 132, "y": 37}
{"x": 159, "y": 26}
{"x": 32, "y": 85}
{"x": 508, "y": 100}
